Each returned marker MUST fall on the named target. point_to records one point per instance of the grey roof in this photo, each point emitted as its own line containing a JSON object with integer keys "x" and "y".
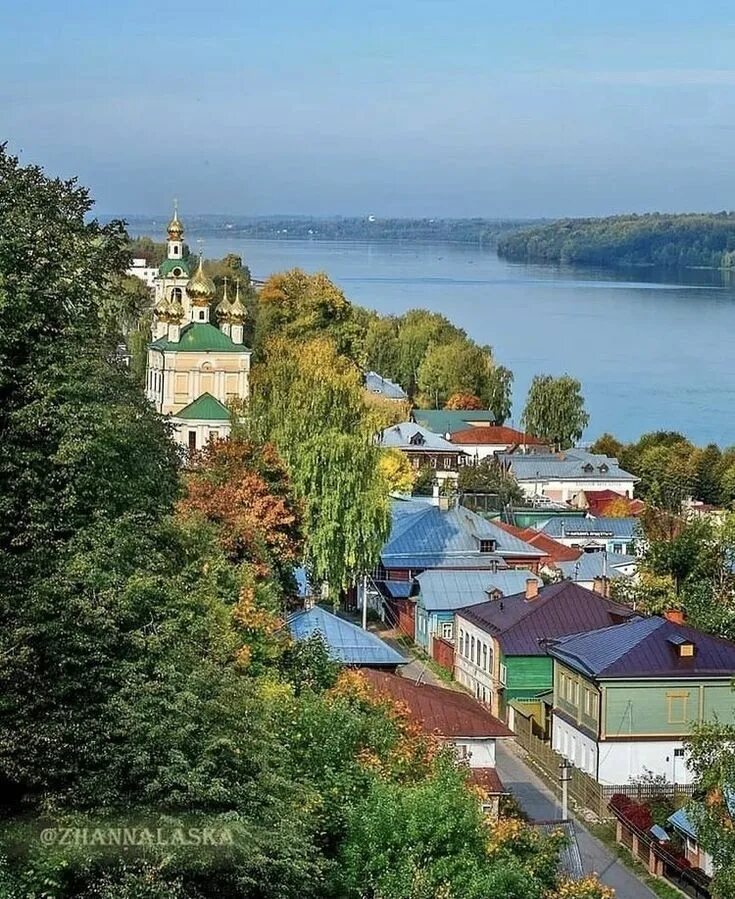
{"x": 376, "y": 383}
{"x": 447, "y": 421}
{"x": 625, "y": 528}
{"x": 570, "y": 465}
{"x": 424, "y": 536}
{"x": 450, "y": 590}
{"x": 646, "y": 647}
{"x": 591, "y": 565}
{"x": 410, "y": 436}
{"x": 523, "y": 625}
{"x": 348, "y": 644}
{"x": 570, "y": 858}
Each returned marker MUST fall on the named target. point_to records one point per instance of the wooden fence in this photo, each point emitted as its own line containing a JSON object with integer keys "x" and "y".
{"x": 583, "y": 788}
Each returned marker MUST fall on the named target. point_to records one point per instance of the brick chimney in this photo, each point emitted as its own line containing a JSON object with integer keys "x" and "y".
{"x": 531, "y": 588}
{"x": 675, "y": 616}
{"x": 601, "y": 585}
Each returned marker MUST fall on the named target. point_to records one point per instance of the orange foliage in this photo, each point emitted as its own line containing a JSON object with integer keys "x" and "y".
{"x": 244, "y": 490}
{"x": 464, "y": 401}
{"x": 617, "y": 508}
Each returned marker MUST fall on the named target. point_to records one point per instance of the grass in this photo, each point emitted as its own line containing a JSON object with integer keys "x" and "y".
{"x": 605, "y": 833}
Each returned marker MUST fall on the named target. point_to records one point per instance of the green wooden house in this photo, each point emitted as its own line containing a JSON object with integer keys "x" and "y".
{"x": 625, "y": 698}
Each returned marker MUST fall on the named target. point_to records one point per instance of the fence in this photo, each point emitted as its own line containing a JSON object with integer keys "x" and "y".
{"x": 583, "y": 788}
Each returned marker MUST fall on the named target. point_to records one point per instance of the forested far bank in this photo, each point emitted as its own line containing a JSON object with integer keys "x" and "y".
{"x": 685, "y": 240}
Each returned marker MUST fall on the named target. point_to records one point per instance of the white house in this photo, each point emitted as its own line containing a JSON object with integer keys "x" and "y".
{"x": 147, "y": 273}
{"x": 488, "y": 440}
{"x": 561, "y": 476}
{"x": 594, "y": 535}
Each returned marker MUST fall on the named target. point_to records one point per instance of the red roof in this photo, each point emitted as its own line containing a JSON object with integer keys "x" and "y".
{"x": 495, "y": 434}
{"x": 554, "y": 551}
{"x": 487, "y": 779}
{"x": 446, "y": 713}
{"x": 599, "y": 500}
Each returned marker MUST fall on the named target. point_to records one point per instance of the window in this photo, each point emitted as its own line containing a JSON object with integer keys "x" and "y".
{"x": 214, "y": 435}
{"x": 460, "y": 641}
{"x": 679, "y": 753}
{"x": 192, "y": 441}
{"x": 447, "y": 630}
{"x": 176, "y": 295}
{"x": 417, "y": 440}
{"x": 487, "y": 546}
{"x": 415, "y": 462}
{"x": 447, "y": 462}
{"x": 503, "y": 674}
{"x": 201, "y": 315}
{"x": 433, "y": 461}
{"x": 176, "y": 272}
{"x": 617, "y": 547}
{"x": 676, "y": 707}
{"x": 484, "y": 657}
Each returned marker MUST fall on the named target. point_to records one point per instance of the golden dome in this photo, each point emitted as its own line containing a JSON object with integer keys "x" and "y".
{"x": 201, "y": 289}
{"x": 175, "y": 308}
{"x": 224, "y": 306}
{"x": 237, "y": 310}
{"x": 175, "y": 228}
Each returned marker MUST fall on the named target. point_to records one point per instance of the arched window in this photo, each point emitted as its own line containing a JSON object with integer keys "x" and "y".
{"x": 176, "y": 272}
{"x": 176, "y": 294}
{"x": 176, "y": 250}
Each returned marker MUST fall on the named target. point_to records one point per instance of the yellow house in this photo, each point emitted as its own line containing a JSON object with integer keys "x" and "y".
{"x": 195, "y": 369}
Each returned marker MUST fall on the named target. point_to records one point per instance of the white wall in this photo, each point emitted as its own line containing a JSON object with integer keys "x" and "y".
{"x": 478, "y": 753}
{"x": 204, "y": 431}
{"x": 481, "y": 450}
{"x": 619, "y": 761}
{"x": 563, "y": 491}
{"x": 476, "y": 678}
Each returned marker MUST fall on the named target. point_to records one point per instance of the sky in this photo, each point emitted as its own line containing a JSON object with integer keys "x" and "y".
{"x": 519, "y": 108}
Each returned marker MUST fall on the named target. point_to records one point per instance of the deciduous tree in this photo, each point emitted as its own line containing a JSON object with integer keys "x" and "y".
{"x": 555, "y": 410}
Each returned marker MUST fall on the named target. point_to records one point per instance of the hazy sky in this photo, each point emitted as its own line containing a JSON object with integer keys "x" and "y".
{"x": 409, "y": 107}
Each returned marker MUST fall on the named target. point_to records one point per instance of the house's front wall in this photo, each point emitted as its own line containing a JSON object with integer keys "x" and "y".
{"x": 428, "y": 624}
{"x": 479, "y": 451}
{"x": 563, "y": 491}
{"x": 196, "y": 434}
{"x": 478, "y": 753}
{"x": 176, "y": 379}
{"x": 575, "y": 745}
{"x": 624, "y": 544}
{"x": 476, "y": 663}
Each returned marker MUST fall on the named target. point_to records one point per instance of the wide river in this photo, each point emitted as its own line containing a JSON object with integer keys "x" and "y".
{"x": 652, "y": 350}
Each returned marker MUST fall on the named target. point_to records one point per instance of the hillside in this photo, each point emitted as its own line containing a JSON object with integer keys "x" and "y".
{"x": 691, "y": 239}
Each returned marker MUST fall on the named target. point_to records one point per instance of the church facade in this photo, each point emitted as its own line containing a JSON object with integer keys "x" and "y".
{"x": 198, "y": 365}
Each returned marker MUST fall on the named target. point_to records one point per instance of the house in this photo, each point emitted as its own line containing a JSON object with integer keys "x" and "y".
{"x": 488, "y": 440}
{"x": 625, "y": 697}
{"x": 375, "y": 383}
{"x": 687, "y": 830}
{"x": 453, "y": 717}
{"x": 561, "y": 476}
{"x": 596, "y": 502}
{"x": 424, "y": 449}
{"x": 500, "y": 652}
{"x": 441, "y": 593}
{"x": 447, "y": 421}
{"x": 140, "y": 269}
{"x": 426, "y": 537}
{"x": 593, "y": 567}
{"x": 348, "y": 644}
{"x": 553, "y": 551}
{"x": 613, "y": 535}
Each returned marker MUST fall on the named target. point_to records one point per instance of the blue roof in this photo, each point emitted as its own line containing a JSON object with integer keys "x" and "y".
{"x": 348, "y": 644}
{"x": 450, "y": 590}
{"x": 424, "y": 536}
{"x": 409, "y": 436}
{"x": 570, "y": 465}
{"x": 681, "y": 821}
{"x": 606, "y": 528}
{"x": 376, "y": 383}
{"x": 591, "y": 565}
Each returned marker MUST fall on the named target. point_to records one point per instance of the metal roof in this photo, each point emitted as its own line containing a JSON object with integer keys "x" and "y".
{"x": 646, "y": 647}
{"x": 523, "y": 625}
{"x": 681, "y": 821}
{"x": 591, "y": 565}
{"x": 447, "y": 713}
{"x": 348, "y": 644}
{"x": 562, "y": 528}
{"x": 570, "y": 465}
{"x": 204, "y": 408}
{"x": 447, "y": 421}
{"x": 376, "y": 383}
{"x": 570, "y": 858}
{"x": 449, "y": 590}
{"x": 200, "y": 337}
{"x": 410, "y": 436}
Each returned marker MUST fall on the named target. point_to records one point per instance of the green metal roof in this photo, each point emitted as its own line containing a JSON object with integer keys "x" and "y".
{"x": 204, "y": 408}
{"x": 168, "y": 265}
{"x": 199, "y": 337}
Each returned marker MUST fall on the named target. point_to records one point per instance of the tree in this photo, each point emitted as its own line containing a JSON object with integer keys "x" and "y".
{"x": 489, "y": 476}
{"x": 459, "y": 366}
{"x": 555, "y": 410}
{"x": 397, "y": 471}
{"x": 499, "y": 395}
{"x": 677, "y": 547}
{"x": 607, "y": 445}
{"x": 463, "y": 401}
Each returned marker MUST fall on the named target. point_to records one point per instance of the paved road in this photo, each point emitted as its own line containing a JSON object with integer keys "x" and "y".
{"x": 540, "y": 804}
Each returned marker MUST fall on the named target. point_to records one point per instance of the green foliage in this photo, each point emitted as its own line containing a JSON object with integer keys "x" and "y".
{"x": 653, "y": 239}
{"x": 488, "y": 476}
{"x": 555, "y": 410}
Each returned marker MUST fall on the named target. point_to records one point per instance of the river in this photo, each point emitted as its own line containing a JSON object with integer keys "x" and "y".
{"x": 652, "y": 350}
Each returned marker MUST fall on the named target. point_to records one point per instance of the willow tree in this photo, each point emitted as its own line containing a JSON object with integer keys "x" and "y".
{"x": 555, "y": 410}
{"x": 307, "y": 399}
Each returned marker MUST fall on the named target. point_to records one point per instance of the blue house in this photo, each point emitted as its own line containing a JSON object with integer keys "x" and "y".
{"x": 442, "y": 593}
{"x": 348, "y": 644}
{"x": 616, "y": 535}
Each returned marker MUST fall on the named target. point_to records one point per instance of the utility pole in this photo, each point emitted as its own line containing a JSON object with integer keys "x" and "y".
{"x": 364, "y": 602}
{"x": 565, "y": 776}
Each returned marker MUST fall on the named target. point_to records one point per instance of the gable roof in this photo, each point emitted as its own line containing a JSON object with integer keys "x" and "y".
{"x": 591, "y": 565}
{"x": 410, "y": 436}
{"x": 551, "y": 548}
{"x": 447, "y": 421}
{"x": 570, "y": 465}
{"x": 446, "y": 713}
{"x": 625, "y": 528}
{"x": 488, "y": 435}
{"x": 522, "y": 625}
{"x": 348, "y": 644}
{"x": 442, "y": 590}
{"x": 646, "y": 647}
{"x": 424, "y": 536}
{"x": 200, "y": 337}
{"x": 376, "y": 383}
{"x": 204, "y": 408}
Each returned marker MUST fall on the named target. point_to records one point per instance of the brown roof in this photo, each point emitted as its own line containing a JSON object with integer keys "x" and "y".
{"x": 599, "y": 500}
{"x": 495, "y": 434}
{"x": 487, "y": 779}
{"x": 555, "y": 551}
{"x": 446, "y": 713}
